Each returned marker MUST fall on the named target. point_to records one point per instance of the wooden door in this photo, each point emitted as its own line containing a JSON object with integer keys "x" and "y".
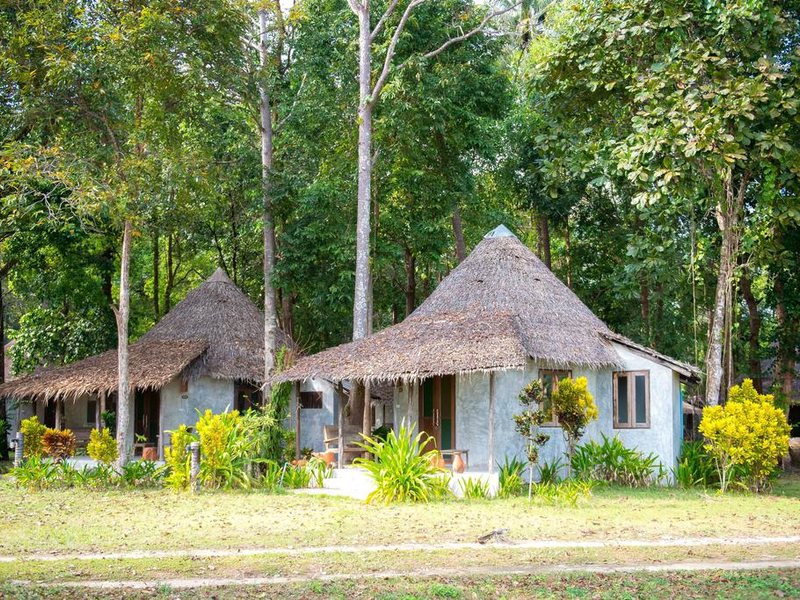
{"x": 146, "y": 415}
{"x": 437, "y": 411}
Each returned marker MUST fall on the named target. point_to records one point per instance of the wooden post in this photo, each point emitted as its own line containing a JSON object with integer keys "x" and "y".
{"x": 194, "y": 473}
{"x": 97, "y": 415}
{"x": 491, "y": 422}
{"x": 102, "y": 408}
{"x": 18, "y": 449}
{"x": 340, "y": 442}
{"x": 58, "y": 414}
{"x": 297, "y": 420}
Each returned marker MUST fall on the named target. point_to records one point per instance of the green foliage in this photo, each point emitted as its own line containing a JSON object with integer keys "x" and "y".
{"x": 35, "y": 473}
{"x": 696, "y": 467}
{"x": 32, "y": 432}
{"x": 748, "y": 433}
{"x": 58, "y": 444}
{"x": 574, "y": 408}
{"x": 527, "y": 423}
{"x": 510, "y": 480}
{"x": 550, "y": 472}
{"x": 402, "y": 470}
{"x": 109, "y": 418}
{"x": 102, "y": 447}
{"x": 612, "y": 462}
{"x": 473, "y": 488}
{"x": 141, "y": 473}
{"x": 566, "y": 493}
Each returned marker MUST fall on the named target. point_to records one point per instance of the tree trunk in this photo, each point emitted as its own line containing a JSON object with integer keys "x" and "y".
{"x": 360, "y": 298}
{"x": 543, "y": 235}
{"x": 3, "y": 412}
{"x": 287, "y": 311}
{"x": 727, "y": 220}
{"x": 568, "y": 247}
{"x": 458, "y": 234}
{"x": 644, "y": 300}
{"x": 270, "y": 311}
{"x": 156, "y": 282}
{"x": 170, "y": 285}
{"x": 785, "y": 359}
{"x": 754, "y": 322}
{"x": 124, "y": 412}
{"x": 411, "y": 281}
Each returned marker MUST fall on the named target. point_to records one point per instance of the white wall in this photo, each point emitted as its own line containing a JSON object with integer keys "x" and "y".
{"x": 472, "y": 405}
{"x": 312, "y": 420}
{"x": 181, "y": 408}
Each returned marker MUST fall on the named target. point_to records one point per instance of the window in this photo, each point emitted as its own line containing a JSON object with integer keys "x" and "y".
{"x": 246, "y": 397}
{"x": 632, "y": 399}
{"x": 550, "y": 381}
{"x": 310, "y": 399}
{"x": 91, "y": 411}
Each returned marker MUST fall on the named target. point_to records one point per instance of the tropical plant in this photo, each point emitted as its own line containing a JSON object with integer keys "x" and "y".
{"x": 568, "y": 492}
{"x": 109, "y": 418}
{"x": 35, "y": 473}
{"x": 319, "y": 470}
{"x": 32, "y": 433}
{"x": 403, "y": 471}
{"x": 510, "y": 480}
{"x": 574, "y": 408}
{"x": 696, "y": 467}
{"x": 271, "y": 476}
{"x": 748, "y": 432}
{"x": 611, "y": 461}
{"x": 58, "y": 444}
{"x": 549, "y": 472}
{"x": 141, "y": 473}
{"x": 177, "y": 458}
{"x": 528, "y": 423}
{"x": 296, "y": 476}
{"x": 102, "y": 447}
{"x": 474, "y": 488}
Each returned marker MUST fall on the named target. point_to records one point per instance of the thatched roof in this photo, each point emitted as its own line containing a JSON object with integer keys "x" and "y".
{"x": 215, "y": 331}
{"x": 151, "y": 366}
{"x": 499, "y": 308}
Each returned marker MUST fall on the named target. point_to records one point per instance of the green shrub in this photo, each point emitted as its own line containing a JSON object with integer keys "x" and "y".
{"x": 296, "y": 477}
{"x": 142, "y": 473}
{"x": 574, "y": 408}
{"x": 612, "y": 462}
{"x": 271, "y": 476}
{"x": 58, "y": 444}
{"x": 550, "y": 472}
{"x": 510, "y": 477}
{"x": 102, "y": 447}
{"x": 36, "y": 473}
{"x": 695, "y": 467}
{"x": 32, "y": 432}
{"x": 402, "y": 470}
{"x": 473, "y": 488}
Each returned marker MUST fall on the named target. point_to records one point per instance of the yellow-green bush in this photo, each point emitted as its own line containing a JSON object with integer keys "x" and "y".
{"x": 32, "y": 432}
{"x": 102, "y": 447}
{"x": 177, "y": 458}
{"x": 575, "y": 409}
{"x": 748, "y": 435}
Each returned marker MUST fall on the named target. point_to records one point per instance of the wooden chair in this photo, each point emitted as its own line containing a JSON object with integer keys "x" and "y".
{"x": 331, "y": 440}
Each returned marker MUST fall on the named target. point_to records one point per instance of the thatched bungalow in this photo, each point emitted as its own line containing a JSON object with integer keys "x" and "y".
{"x": 206, "y": 353}
{"x": 497, "y": 321}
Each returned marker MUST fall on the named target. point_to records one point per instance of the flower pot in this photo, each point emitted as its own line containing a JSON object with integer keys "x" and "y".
{"x": 458, "y": 463}
{"x": 150, "y": 453}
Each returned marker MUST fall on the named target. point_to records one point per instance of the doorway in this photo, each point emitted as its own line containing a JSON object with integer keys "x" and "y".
{"x": 437, "y": 411}
{"x": 147, "y": 417}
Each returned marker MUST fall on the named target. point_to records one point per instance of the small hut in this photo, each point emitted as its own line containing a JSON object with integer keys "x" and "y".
{"x": 497, "y": 321}
{"x": 206, "y": 353}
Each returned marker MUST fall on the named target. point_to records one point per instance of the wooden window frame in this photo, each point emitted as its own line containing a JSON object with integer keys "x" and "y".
{"x": 632, "y": 424}
{"x": 558, "y": 375}
{"x": 318, "y": 399}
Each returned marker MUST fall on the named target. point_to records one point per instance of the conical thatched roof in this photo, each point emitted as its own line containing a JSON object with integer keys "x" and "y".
{"x": 499, "y": 308}
{"x": 216, "y": 331}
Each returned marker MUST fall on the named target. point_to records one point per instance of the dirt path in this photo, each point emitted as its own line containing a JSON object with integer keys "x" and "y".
{"x": 484, "y": 571}
{"x": 314, "y": 550}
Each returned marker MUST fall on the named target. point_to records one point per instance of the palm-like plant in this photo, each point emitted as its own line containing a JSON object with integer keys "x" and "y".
{"x": 402, "y": 469}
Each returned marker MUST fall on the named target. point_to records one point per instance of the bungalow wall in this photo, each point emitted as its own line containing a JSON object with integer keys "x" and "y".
{"x": 181, "y": 407}
{"x": 313, "y": 420}
{"x": 663, "y": 437}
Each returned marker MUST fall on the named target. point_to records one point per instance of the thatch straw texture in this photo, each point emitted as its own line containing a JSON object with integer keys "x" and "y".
{"x": 497, "y": 309}
{"x": 215, "y": 331}
{"x": 153, "y": 364}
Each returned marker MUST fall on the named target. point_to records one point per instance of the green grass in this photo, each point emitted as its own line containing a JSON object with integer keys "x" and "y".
{"x": 90, "y": 521}
{"x": 714, "y": 584}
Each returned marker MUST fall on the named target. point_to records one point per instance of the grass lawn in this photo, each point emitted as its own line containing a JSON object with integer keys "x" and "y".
{"x": 732, "y": 586}
{"x": 77, "y": 520}
{"x": 60, "y": 522}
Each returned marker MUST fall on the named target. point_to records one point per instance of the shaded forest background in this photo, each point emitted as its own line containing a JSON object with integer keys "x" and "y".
{"x": 606, "y": 135}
